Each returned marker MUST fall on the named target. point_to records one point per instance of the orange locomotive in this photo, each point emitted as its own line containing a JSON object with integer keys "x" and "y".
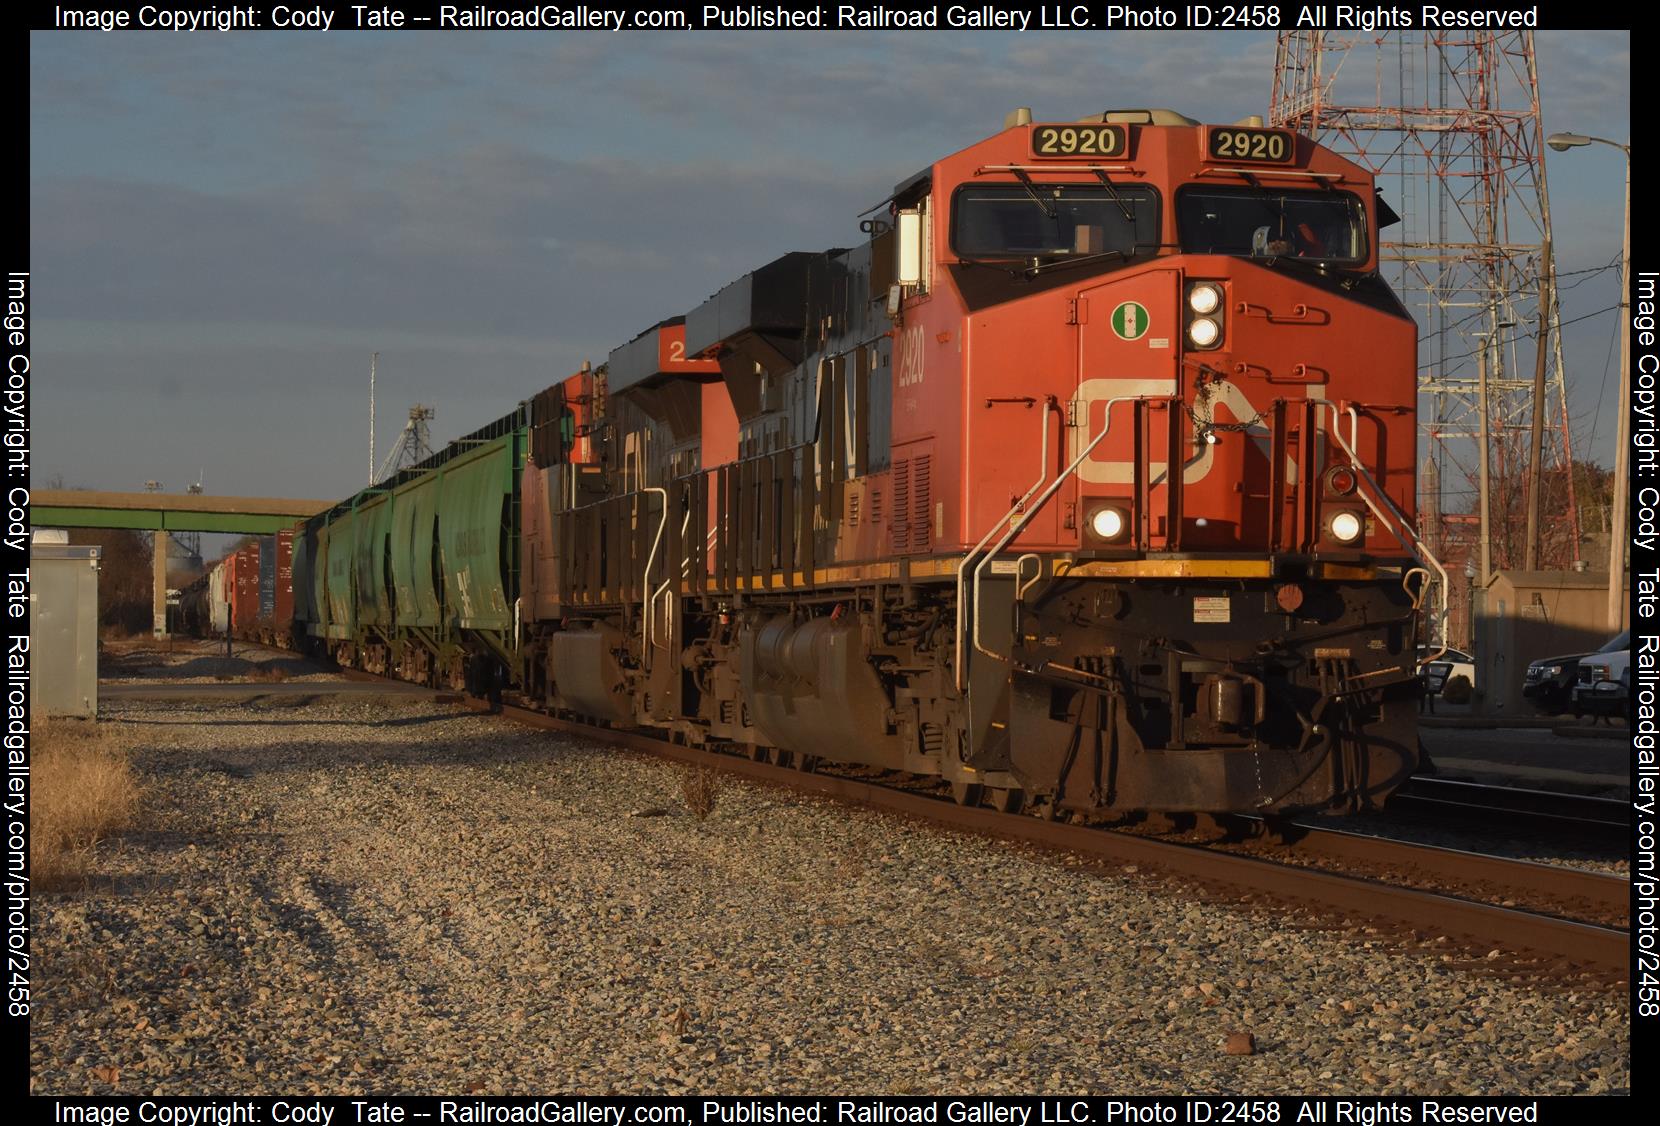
{"x": 1085, "y": 483}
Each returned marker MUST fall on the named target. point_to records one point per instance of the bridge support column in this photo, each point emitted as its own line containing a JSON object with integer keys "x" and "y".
{"x": 158, "y": 570}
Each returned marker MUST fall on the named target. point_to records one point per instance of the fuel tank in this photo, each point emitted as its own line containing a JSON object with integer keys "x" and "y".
{"x": 587, "y": 678}
{"x": 812, "y": 690}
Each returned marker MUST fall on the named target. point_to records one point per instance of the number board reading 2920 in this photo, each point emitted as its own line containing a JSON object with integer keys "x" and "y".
{"x": 1080, "y": 140}
{"x": 1259, "y": 146}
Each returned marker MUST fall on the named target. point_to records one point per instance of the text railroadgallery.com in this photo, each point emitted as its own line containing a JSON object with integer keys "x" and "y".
{"x": 895, "y": 15}
{"x": 810, "y": 1111}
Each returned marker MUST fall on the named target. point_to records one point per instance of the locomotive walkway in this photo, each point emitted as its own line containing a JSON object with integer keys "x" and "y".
{"x": 246, "y": 691}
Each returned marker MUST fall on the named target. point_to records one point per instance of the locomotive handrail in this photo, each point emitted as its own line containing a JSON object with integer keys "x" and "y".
{"x": 645, "y": 575}
{"x": 1264, "y": 173}
{"x": 1397, "y": 525}
{"x": 1018, "y": 526}
{"x": 1043, "y": 475}
{"x": 662, "y": 593}
{"x": 1400, "y": 521}
{"x": 1057, "y": 168}
{"x": 1019, "y": 568}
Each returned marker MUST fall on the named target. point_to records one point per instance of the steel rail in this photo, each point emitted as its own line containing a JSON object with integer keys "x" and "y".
{"x": 1604, "y": 820}
{"x": 1517, "y": 799}
{"x": 1519, "y": 877}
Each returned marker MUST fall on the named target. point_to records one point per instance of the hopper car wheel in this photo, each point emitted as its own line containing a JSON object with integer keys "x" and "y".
{"x": 967, "y": 793}
{"x": 758, "y": 753}
{"x": 807, "y": 764}
{"x": 1007, "y": 799}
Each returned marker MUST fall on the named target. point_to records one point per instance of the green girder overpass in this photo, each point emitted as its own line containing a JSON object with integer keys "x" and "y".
{"x": 164, "y": 513}
{"x": 167, "y": 512}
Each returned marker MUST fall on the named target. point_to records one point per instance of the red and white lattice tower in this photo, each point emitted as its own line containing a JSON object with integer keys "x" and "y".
{"x": 1449, "y": 123}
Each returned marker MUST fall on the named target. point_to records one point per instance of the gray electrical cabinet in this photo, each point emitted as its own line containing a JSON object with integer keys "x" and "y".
{"x": 63, "y": 630}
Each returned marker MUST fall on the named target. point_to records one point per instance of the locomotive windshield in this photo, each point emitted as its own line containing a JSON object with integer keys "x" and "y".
{"x": 1053, "y": 220}
{"x": 1257, "y": 222}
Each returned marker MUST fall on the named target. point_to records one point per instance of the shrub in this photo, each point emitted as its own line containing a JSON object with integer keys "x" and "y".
{"x": 699, "y": 787}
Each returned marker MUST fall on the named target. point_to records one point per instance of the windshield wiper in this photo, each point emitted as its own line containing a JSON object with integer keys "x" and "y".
{"x": 1276, "y": 209}
{"x": 1112, "y": 194}
{"x": 1031, "y": 190}
{"x": 1034, "y": 270}
{"x": 989, "y": 264}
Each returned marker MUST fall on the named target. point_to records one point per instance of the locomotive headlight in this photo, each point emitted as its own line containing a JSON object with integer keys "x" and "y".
{"x": 1341, "y": 480}
{"x": 1345, "y": 527}
{"x": 1108, "y": 523}
{"x": 1204, "y": 298}
{"x": 1204, "y": 332}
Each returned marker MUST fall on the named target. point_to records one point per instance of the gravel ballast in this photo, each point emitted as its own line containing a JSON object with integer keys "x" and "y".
{"x": 348, "y": 895}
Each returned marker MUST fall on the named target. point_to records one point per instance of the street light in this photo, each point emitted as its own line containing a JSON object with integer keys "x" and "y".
{"x": 1489, "y": 342}
{"x": 1562, "y": 142}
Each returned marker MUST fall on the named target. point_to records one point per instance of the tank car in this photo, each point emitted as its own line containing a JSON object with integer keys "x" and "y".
{"x": 1084, "y": 482}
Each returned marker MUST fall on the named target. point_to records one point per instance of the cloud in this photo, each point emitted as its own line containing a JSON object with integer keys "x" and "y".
{"x": 228, "y": 221}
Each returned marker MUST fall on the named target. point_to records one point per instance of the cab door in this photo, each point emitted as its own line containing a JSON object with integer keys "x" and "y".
{"x": 1129, "y": 345}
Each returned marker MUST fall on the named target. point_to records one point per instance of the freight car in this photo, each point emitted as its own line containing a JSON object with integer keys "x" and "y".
{"x": 1084, "y": 482}
{"x": 247, "y": 593}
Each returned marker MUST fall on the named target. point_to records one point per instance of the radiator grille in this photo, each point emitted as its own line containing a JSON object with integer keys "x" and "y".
{"x": 900, "y": 532}
{"x": 922, "y": 525}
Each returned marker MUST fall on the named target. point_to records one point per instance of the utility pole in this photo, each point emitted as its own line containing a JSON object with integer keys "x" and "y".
{"x": 1536, "y": 436}
{"x": 158, "y": 574}
{"x": 374, "y": 358}
{"x": 1485, "y": 484}
{"x": 1562, "y": 142}
{"x": 1622, "y": 428}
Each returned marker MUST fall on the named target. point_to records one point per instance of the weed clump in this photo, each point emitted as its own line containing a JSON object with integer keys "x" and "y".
{"x": 82, "y": 792}
{"x": 699, "y": 789}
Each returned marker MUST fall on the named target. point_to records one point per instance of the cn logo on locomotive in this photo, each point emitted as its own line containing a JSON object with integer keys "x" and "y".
{"x": 1130, "y": 320}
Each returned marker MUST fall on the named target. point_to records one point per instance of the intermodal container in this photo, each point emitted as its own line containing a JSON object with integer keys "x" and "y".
{"x": 282, "y": 612}
{"x": 267, "y": 577}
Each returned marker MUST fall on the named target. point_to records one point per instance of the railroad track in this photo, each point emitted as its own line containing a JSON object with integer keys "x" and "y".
{"x": 1551, "y": 938}
{"x": 1542, "y": 888}
{"x": 1522, "y": 812}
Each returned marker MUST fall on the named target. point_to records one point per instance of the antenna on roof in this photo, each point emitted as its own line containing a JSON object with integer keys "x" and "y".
{"x": 373, "y": 358}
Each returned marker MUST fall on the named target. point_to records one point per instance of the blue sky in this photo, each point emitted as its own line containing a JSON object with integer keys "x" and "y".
{"x": 224, "y": 226}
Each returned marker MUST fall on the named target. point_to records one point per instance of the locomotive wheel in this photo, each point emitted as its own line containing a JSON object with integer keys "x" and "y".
{"x": 967, "y": 793}
{"x": 1007, "y": 799}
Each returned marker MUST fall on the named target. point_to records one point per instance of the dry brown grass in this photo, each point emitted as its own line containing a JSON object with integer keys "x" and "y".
{"x": 82, "y": 792}
{"x": 699, "y": 789}
{"x": 272, "y": 672}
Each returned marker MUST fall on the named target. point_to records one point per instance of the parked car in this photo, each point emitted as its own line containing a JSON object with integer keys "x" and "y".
{"x": 1550, "y": 682}
{"x": 1436, "y": 673}
{"x": 1604, "y": 686}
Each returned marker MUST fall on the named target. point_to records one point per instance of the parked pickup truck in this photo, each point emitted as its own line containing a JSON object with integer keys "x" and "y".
{"x": 1604, "y": 686}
